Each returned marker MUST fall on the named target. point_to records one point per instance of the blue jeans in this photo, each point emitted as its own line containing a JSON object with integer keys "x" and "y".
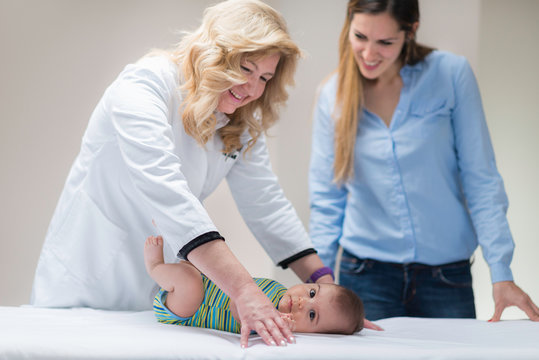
{"x": 418, "y": 290}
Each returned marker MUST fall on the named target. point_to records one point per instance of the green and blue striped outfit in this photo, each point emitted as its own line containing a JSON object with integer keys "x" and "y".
{"x": 214, "y": 312}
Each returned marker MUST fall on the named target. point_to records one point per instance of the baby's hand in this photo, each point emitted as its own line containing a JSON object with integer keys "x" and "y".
{"x": 289, "y": 320}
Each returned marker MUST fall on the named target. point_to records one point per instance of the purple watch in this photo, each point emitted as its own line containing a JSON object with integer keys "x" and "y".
{"x": 319, "y": 273}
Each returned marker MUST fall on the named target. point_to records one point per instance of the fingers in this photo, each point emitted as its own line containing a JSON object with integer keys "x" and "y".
{"x": 535, "y": 307}
{"x": 285, "y": 329}
{"x": 244, "y": 336}
{"x": 508, "y": 294}
{"x": 530, "y": 309}
{"x": 256, "y": 312}
{"x": 154, "y": 240}
{"x": 498, "y": 310}
{"x": 370, "y": 325}
{"x": 268, "y": 338}
{"x": 271, "y": 333}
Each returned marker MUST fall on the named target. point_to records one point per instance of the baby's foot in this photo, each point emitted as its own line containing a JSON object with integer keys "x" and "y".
{"x": 153, "y": 253}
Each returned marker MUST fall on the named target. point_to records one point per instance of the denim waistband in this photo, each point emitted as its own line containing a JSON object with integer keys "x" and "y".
{"x": 411, "y": 265}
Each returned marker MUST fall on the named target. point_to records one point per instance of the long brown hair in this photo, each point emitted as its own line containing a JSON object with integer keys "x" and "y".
{"x": 349, "y": 100}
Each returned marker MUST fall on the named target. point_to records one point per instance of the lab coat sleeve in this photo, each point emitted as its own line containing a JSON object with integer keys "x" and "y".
{"x": 264, "y": 207}
{"x": 141, "y": 102}
{"x": 327, "y": 199}
{"x": 482, "y": 184}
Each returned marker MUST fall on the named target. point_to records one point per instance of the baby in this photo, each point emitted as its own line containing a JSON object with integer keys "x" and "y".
{"x": 189, "y": 298}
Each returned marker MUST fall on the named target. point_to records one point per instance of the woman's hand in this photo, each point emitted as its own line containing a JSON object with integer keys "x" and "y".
{"x": 370, "y": 325}
{"x": 253, "y": 309}
{"x": 257, "y": 313}
{"x": 507, "y": 293}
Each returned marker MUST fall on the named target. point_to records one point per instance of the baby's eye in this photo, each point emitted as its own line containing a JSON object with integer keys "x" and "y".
{"x": 245, "y": 69}
{"x": 312, "y": 315}
{"x": 312, "y": 293}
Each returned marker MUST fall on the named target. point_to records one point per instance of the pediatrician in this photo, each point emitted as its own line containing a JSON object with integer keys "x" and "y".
{"x": 403, "y": 175}
{"x": 163, "y": 136}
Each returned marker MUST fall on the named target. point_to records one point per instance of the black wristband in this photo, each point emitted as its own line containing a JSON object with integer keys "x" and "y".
{"x": 199, "y": 240}
{"x": 284, "y": 264}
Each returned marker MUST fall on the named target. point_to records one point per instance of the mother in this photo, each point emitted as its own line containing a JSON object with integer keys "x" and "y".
{"x": 403, "y": 175}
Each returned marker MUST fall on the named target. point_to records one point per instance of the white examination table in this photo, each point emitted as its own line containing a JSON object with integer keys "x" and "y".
{"x": 35, "y": 333}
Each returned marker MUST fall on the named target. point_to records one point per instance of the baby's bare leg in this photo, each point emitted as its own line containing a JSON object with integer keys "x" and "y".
{"x": 182, "y": 281}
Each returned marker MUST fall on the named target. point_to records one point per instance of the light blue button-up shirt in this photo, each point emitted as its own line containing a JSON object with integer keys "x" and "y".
{"x": 425, "y": 189}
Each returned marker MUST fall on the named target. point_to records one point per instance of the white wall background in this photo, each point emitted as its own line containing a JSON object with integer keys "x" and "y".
{"x": 58, "y": 56}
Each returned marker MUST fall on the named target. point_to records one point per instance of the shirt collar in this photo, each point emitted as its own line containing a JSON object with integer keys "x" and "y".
{"x": 221, "y": 118}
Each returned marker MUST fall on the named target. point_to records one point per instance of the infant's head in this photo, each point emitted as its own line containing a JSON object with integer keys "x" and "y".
{"x": 322, "y": 308}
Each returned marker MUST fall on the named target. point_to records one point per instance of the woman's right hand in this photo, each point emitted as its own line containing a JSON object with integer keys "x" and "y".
{"x": 254, "y": 310}
{"x": 257, "y": 313}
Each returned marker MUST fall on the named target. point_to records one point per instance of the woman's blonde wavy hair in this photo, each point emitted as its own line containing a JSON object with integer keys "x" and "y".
{"x": 210, "y": 58}
{"x": 349, "y": 100}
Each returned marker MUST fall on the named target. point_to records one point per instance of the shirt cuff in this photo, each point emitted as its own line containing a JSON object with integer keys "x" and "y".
{"x": 199, "y": 240}
{"x": 500, "y": 272}
{"x": 284, "y": 264}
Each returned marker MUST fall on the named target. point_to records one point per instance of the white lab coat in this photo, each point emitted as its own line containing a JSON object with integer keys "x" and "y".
{"x": 136, "y": 164}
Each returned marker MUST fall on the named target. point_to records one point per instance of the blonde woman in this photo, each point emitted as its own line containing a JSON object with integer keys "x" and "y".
{"x": 403, "y": 175}
{"x": 163, "y": 136}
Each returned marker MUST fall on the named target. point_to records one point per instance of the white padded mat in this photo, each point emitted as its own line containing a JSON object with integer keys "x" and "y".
{"x": 35, "y": 333}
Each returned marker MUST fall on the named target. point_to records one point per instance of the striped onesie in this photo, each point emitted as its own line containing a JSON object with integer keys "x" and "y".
{"x": 214, "y": 312}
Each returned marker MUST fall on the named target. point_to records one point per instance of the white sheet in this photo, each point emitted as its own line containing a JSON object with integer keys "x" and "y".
{"x": 33, "y": 333}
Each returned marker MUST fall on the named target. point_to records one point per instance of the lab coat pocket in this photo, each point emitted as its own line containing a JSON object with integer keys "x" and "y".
{"x": 87, "y": 242}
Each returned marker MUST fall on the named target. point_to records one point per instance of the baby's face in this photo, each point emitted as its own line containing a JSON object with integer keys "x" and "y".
{"x": 311, "y": 308}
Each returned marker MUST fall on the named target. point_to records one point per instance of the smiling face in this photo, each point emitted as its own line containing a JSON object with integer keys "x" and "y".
{"x": 377, "y": 42}
{"x": 312, "y": 308}
{"x": 258, "y": 73}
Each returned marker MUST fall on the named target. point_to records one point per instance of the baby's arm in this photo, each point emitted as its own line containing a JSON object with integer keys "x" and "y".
{"x": 182, "y": 280}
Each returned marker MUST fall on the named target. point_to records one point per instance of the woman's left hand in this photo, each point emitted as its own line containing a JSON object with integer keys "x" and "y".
{"x": 370, "y": 325}
{"x": 507, "y": 293}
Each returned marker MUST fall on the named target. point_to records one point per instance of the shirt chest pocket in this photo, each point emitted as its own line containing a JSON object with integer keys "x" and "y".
{"x": 429, "y": 117}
